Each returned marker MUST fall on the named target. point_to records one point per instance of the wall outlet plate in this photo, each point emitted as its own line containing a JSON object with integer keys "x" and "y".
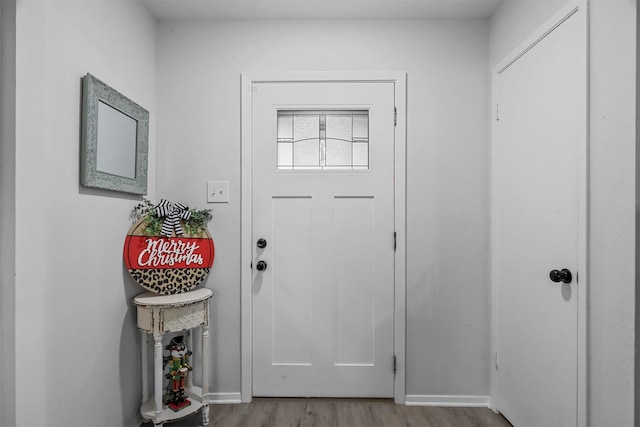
{"x": 217, "y": 191}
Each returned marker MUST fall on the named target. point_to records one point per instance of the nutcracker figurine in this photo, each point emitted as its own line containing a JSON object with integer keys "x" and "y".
{"x": 178, "y": 363}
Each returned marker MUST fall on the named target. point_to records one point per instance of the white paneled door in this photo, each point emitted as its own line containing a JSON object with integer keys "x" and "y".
{"x": 539, "y": 135}
{"x": 323, "y": 205}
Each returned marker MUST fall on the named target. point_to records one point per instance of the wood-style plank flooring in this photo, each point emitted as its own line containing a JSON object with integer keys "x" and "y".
{"x": 270, "y": 412}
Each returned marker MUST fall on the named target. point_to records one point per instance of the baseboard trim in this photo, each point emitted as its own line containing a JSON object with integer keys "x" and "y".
{"x": 445, "y": 400}
{"x": 224, "y": 398}
{"x": 410, "y": 400}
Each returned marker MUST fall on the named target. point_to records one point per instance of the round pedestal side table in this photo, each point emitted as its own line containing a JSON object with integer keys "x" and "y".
{"x": 161, "y": 314}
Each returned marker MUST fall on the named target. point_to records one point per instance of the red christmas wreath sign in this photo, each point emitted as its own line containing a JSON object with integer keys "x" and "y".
{"x": 167, "y": 265}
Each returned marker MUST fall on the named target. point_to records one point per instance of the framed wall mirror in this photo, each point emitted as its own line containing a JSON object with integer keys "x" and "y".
{"x": 114, "y": 140}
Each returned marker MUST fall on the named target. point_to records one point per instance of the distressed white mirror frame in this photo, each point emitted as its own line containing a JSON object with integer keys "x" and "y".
{"x": 95, "y": 93}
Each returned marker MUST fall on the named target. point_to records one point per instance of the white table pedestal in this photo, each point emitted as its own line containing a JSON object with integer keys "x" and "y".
{"x": 160, "y": 314}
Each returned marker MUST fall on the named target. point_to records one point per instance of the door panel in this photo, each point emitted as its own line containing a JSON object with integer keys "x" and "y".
{"x": 353, "y": 263}
{"x": 536, "y": 231}
{"x": 323, "y": 308}
{"x": 292, "y": 285}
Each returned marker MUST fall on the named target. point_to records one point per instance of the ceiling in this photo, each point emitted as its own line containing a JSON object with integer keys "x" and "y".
{"x": 320, "y": 9}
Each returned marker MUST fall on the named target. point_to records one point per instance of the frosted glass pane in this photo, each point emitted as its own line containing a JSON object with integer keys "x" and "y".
{"x": 323, "y": 140}
{"x": 360, "y": 126}
{"x": 285, "y": 154}
{"x": 285, "y": 126}
{"x": 361, "y": 154}
{"x": 306, "y": 153}
{"x": 306, "y": 126}
{"x": 339, "y": 126}
{"x": 338, "y": 152}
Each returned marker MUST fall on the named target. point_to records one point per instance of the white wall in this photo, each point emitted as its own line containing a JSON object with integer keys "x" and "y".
{"x": 612, "y": 205}
{"x": 77, "y": 352}
{"x": 199, "y": 66}
{"x": 612, "y": 192}
{"x": 637, "y": 334}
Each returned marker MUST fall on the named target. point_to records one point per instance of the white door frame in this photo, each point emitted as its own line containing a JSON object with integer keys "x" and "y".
{"x": 578, "y": 8}
{"x": 246, "y": 243}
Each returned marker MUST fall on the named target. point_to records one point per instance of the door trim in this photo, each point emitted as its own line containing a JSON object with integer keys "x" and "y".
{"x": 579, "y": 9}
{"x": 398, "y": 78}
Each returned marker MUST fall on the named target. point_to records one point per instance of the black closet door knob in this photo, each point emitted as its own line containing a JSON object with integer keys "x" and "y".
{"x": 563, "y": 276}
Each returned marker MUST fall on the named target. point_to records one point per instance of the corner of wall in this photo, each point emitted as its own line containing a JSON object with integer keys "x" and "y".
{"x": 613, "y": 196}
{"x": 637, "y": 258}
{"x": 7, "y": 210}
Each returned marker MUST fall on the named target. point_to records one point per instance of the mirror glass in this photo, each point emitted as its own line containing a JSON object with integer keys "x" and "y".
{"x": 116, "y": 142}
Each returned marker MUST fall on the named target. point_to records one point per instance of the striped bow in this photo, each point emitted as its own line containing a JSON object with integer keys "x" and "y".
{"x": 172, "y": 216}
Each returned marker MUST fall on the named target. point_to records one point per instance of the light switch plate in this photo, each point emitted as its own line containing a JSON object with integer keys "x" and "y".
{"x": 217, "y": 191}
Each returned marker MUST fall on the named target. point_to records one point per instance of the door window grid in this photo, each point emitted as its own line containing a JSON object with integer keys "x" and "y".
{"x": 323, "y": 140}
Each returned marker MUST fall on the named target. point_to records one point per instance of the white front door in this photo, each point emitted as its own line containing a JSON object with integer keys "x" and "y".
{"x": 536, "y": 220}
{"x": 323, "y": 203}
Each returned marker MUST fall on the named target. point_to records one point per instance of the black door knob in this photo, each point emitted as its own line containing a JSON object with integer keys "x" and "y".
{"x": 563, "y": 276}
{"x": 261, "y": 265}
{"x": 261, "y": 243}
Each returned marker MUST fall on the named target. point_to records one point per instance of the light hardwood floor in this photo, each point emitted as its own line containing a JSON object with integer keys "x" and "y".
{"x": 270, "y": 412}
